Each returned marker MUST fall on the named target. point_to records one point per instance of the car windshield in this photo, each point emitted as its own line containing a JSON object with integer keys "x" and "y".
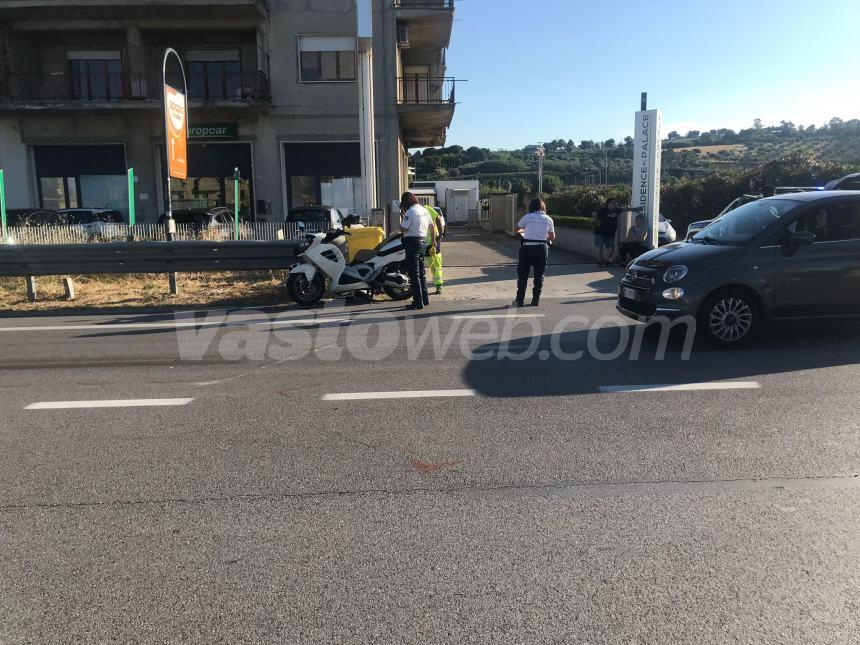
{"x": 745, "y": 222}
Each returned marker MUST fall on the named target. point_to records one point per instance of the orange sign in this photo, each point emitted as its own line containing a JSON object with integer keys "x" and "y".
{"x": 176, "y": 116}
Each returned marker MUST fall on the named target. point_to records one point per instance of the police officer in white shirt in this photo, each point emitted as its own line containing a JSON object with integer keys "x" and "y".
{"x": 536, "y": 230}
{"x": 415, "y": 225}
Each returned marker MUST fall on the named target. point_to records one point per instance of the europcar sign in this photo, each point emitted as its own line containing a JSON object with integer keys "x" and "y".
{"x": 214, "y": 131}
{"x": 647, "y": 163}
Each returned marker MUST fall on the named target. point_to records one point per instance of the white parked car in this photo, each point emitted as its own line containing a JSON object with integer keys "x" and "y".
{"x": 95, "y": 223}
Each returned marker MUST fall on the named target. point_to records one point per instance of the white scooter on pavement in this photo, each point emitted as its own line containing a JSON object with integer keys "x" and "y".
{"x": 325, "y": 271}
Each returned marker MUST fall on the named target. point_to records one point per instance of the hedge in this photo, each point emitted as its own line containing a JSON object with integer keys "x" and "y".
{"x": 567, "y": 221}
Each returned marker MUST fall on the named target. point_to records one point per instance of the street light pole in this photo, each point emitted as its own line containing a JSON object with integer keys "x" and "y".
{"x": 367, "y": 117}
{"x": 540, "y": 153}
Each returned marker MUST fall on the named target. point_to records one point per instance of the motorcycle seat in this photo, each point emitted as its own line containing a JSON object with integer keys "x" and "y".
{"x": 363, "y": 256}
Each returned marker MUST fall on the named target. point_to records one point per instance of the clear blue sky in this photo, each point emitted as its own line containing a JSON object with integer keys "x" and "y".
{"x": 546, "y": 69}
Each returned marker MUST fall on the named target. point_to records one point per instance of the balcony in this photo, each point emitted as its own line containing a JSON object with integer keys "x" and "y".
{"x": 61, "y": 10}
{"x": 426, "y": 106}
{"x": 111, "y": 91}
{"x": 428, "y": 23}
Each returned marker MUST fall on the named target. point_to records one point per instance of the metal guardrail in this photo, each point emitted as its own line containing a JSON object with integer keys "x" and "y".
{"x": 144, "y": 257}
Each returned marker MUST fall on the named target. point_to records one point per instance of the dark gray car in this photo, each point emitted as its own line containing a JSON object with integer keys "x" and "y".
{"x": 792, "y": 256}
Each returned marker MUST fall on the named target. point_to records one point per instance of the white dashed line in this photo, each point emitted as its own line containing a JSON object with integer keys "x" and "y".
{"x": 177, "y": 325}
{"x": 414, "y": 394}
{"x": 482, "y": 316}
{"x": 116, "y": 403}
{"x": 684, "y": 387}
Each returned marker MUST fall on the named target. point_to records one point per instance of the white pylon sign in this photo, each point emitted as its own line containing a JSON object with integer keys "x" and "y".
{"x": 647, "y": 165}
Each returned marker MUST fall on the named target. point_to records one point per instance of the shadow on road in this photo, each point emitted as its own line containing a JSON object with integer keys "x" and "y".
{"x": 587, "y": 360}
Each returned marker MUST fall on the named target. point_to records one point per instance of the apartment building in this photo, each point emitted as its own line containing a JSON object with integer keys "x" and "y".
{"x": 272, "y": 91}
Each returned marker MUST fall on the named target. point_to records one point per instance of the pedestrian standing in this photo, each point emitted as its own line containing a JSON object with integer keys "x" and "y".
{"x": 606, "y": 227}
{"x": 416, "y": 225}
{"x": 537, "y": 230}
{"x": 434, "y": 252}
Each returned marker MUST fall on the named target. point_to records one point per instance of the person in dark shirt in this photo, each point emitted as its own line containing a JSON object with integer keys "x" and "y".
{"x": 605, "y": 228}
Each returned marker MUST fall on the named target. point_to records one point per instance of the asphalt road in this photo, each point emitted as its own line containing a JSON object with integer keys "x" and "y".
{"x": 523, "y": 494}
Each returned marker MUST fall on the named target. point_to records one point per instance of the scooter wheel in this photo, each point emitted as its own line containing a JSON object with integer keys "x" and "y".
{"x": 398, "y": 293}
{"x": 303, "y": 291}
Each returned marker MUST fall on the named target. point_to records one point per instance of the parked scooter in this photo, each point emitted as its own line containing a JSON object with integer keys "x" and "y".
{"x": 325, "y": 270}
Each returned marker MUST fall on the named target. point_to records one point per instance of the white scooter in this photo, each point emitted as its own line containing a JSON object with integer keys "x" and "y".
{"x": 325, "y": 270}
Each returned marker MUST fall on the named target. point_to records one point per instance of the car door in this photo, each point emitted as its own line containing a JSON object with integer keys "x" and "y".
{"x": 822, "y": 279}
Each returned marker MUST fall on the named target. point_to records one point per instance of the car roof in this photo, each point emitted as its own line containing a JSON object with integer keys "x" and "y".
{"x": 817, "y": 195}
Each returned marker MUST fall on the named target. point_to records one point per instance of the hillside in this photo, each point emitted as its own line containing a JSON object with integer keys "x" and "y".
{"x": 690, "y": 155}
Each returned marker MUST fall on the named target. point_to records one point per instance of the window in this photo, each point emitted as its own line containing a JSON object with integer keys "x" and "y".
{"x": 327, "y": 58}
{"x": 80, "y": 176}
{"x": 833, "y": 222}
{"x": 214, "y": 75}
{"x": 210, "y": 183}
{"x": 96, "y": 75}
{"x": 303, "y": 191}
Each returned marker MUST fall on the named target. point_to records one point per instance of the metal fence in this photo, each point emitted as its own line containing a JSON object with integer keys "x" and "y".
{"x": 90, "y": 234}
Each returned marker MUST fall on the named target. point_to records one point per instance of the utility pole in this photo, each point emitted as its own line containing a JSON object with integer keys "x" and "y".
{"x": 540, "y": 153}
{"x": 367, "y": 117}
{"x": 605, "y": 166}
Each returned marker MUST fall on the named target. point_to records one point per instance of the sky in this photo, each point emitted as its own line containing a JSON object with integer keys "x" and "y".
{"x": 539, "y": 70}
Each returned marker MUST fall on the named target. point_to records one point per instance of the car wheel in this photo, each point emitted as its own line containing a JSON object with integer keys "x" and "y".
{"x": 729, "y": 318}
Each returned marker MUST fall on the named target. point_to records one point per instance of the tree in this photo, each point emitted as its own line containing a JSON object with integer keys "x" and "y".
{"x": 552, "y": 184}
{"x": 757, "y": 124}
{"x": 693, "y": 134}
{"x": 475, "y": 154}
{"x": 787, "y": 127}
{"x": 609, "y": 143}
{"x": 586, "y": 144}
{"x": 836, "y": 123}
{"x": 674, "y": 135}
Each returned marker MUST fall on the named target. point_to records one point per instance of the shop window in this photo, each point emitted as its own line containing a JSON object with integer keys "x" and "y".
{"x": 210, "y": 183}
{"x": 303, "y": 191}
{"x": 79, "y": 176}
{"x": 327, "y": 58}
{"x": 345, "y": 193}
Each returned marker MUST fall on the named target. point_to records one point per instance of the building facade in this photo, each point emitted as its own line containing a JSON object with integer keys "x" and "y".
{"x": 272, "y": 91}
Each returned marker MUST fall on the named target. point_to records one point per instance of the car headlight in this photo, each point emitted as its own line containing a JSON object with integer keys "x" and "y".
{"x": 675, "y": 274}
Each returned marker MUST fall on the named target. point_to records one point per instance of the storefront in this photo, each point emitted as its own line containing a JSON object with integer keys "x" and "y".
{"x": 324, "y": 173}
{"x": 82, "y": 176}
{"x": 211, "y": 168}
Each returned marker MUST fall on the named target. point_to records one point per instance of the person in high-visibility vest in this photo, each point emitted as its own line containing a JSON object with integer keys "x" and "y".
{"x": 435, "y": 251}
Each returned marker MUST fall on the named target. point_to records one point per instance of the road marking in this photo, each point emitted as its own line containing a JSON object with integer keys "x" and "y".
{"x": 414, "y": 394}
{"x": 684, "y": 387}
{"x": 174, "y": 325}
{"x": 481, "y": 316}
{"x": 116, "y": 403}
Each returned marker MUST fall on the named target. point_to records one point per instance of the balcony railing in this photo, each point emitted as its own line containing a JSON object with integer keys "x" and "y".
{"x": 116, "y": 88}
{"x": 424, "y": 4}
{"x": 426, "y": 90}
